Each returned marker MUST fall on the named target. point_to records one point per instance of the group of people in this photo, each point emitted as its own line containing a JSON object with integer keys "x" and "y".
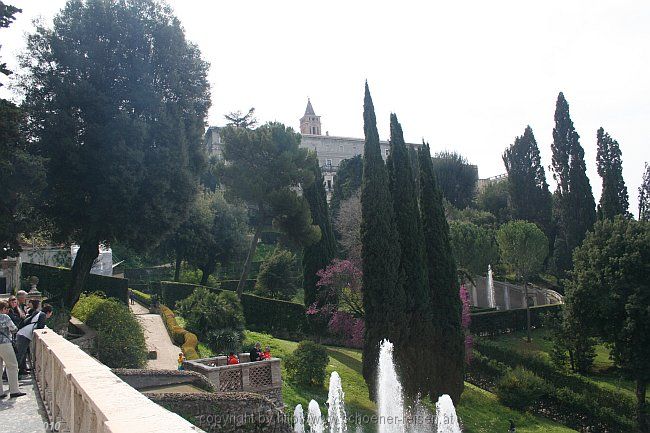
{"x": 18, "y": 320}
{"x": 255, "y": 354}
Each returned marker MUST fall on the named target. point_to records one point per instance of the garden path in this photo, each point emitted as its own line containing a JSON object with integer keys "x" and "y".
{"x": 25, "y": 414}
{"x": 157, "y": 339}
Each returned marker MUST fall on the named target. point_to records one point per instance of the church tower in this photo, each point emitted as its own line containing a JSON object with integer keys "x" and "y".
{"x": 310, "y": 122}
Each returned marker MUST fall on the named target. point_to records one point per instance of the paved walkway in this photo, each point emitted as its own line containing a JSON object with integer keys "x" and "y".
{"x": 157, "y": 339}
{"x": 24, "y": 414}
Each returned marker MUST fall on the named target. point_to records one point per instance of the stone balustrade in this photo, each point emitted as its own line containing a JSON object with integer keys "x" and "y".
{"x": 81, "y": 395}
{"x": 261, "y": 377}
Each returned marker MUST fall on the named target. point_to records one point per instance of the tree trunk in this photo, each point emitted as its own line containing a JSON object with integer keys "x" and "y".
{"x": 177, "y": 269}
{"x": 83, "y": 263}
{"x": 249, "y": 260}
{"x": 641, "y": 407}
{"x": 527, "y": 311}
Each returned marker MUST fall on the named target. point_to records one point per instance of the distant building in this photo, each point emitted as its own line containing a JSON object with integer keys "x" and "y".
{"x": 483, "y": 183}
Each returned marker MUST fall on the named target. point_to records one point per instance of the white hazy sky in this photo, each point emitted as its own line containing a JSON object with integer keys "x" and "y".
{"x": 464, "y": 75}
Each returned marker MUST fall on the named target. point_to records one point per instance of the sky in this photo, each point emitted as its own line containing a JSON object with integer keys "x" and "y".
{"x": 466, "y": 75}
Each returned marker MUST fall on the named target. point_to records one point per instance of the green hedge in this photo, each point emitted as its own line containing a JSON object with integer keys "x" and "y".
{"x": 143, "y": 298}
{"x": 231, "y": 285}
{"x": 187, "y": 340}
{"x": 283, "y": 319}
{"x": 144, "y": 275}
{"x": 493, "y": 323}
{"x": 55, "y": 281}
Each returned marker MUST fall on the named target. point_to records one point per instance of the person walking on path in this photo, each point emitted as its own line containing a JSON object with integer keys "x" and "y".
{"x": 7, "y": 355}
{"x": 24, "y": 336}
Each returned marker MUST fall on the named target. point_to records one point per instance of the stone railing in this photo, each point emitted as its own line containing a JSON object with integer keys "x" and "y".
{"x": 261, "y": 377}
{"x": 81, "y": 395}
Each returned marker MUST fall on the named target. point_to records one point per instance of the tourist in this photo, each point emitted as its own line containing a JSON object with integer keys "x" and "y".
{"x": 512, "y": 427}
{"x": 181, "y": 358}
{"x": 7, "y": 355}
{"x": 21, "y": 295}
{"x": 131, "y": 297}
{"x": 34, "y": 305}
{"x": 232, "y": 359}
{"x": 256, "y": 353}
{"x": 267, "y": 352}
{"x": 15, "y": 314}
{"x": 26, "y": 332}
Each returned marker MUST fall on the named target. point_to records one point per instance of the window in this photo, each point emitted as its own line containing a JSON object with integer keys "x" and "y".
{"x": 328, "y": 163}
{"x": 341, "y": 147}
{"x": 387, "y": 151}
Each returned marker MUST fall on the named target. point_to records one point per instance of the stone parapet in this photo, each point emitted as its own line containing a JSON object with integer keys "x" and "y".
{"x": 84, "y": 396}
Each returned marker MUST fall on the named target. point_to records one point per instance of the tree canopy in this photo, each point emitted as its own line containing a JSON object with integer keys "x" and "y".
{"x": 613, "y": 199}
{"x": 474, "y": 246}
{"x": 456, "y": 178}
{"x": 117, "y": 99}
{"x": 644, "y": 195}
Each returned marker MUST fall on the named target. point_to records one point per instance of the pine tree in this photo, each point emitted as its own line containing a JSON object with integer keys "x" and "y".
{"x": 447, "y": 359}
{"x": 614, "y": 198}
{"x": 575, "y": 205}
{"x": 644, "y": 195}
{"x": 413, "y": 277}
{"x": 383, "y": 299}
{"x": 530, "y": 197}
{"x": 319, "y": 254}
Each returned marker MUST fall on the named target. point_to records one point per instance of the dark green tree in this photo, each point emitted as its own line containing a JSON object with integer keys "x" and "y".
{"x": 575, "y": 208}
{"x": 530, "y": 198}
{"x": 495, "y": 198}
{"x": 347, "y": 181}
{"x": 319, "y": 254}
{"x": 609, "y": 297}
{"x": 7, "y": 16}
{"x": 383, "y": 297}
{"x": 614, "y": 199}
{"x": 644, "y": 195}
{"x": 117, "y": 99}
{"x": 413, "y": 348}
{"x": 278, "y": 276}
{"x": 474, "y": 247}
{"x": 447, "y": 361}
{"x": 457, "y": 179}
{"x": 264, "y": 167}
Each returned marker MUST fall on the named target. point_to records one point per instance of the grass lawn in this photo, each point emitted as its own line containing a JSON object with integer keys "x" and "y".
{"x": 604, "y": 373}
{"x": 480, "y": 410}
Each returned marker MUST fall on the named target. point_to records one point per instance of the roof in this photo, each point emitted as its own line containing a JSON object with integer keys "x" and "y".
{"x": 309, "y": 111}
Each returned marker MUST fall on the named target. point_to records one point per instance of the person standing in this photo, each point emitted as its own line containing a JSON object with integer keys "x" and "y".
{"x": 15, "y": 314}
{"x": 26, "y": 333}
{"x": 7, "y": 355}
{"x": 21, "y": 296}
{"x": 256, "y": 353}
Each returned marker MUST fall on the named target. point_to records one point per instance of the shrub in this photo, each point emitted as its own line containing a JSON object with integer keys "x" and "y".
{"x": 120, "y": 339}
{"x": 187, "y": 340}
{"x": 278, "y": 276}
{"x": 521, "y": 388}
{"x": 306, "y": 365}
{"x": 217, "y": 317}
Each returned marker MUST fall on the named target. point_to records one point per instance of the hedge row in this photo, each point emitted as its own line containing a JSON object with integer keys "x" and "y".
{"x": 180, "y": 336}
{"x": 144, "y": 275}
{"x": 492, "y": 323}
{"x": 575, "y": 400}
{"x": 56, "y": 281}
{"x": 143, "y": 298}
{"x": 231, "y": 285}
{"x": 280, "y": 318}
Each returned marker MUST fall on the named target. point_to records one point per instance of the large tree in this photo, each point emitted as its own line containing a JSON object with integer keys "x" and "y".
{"x": 614, "y": 199}
{"x": 383, "y": 297}
{"x": 575, "y": 207}
{"x": 7, "y": 16}
{"x": 523, "y": 246}
{"x": 457, "y": 178}
{"x": 474, "y": 247}
{"x": 530, "y": 198}
{"x": 117, "y": 99}
{"x": 644, "y": 195}
{"x": 414, "y": 344}
{"x": 448, "y": 357}
{"x": 265, "y": 167}
{"x": 609, "y": 297}
{"x": 346, "y": 182}
{"x": 319, "y": 254}
{"x": 495, "y": 198}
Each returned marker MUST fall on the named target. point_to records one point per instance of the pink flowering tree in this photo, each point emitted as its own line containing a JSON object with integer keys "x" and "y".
{"x": 466, "y": 320}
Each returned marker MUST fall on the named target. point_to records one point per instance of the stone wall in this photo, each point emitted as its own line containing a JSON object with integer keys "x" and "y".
{"x": 227, "y": 412}
{"x": 141, "y": 378}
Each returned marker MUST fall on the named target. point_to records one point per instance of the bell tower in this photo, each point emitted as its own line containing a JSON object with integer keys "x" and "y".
{"x": 310, "y": 122}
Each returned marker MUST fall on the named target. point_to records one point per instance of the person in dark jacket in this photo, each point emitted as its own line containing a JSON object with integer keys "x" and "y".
{"x": 15, "y": 314}
{"x": 25, "y": 333}
{"x": 256, "y": 353}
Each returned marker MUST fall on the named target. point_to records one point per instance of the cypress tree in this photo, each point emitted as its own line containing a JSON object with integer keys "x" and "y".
{"x": 644, "y": 195}
{"x": 574, "y": 205}
{"x": 447, "y": 354}
{"x": 530, "y": 198}
{"x": 415, "y": 346}
{"x": 614, "y": 199}
{"x": 319, "y": 254}
{"x": 383, "y": 299}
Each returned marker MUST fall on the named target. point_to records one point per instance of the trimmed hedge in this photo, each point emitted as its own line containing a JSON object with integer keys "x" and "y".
{"x": 143, "y": 298}
{"x": 493, "y": 323}
{"x": 283, "y": 319}
{"x": 55, "y": 281}
{"x": 180, "y": 336}
{"x": 231, "y": 285}
{"x": 144, "y": 275}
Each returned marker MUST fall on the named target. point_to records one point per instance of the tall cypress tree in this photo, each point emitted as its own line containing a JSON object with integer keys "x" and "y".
{"x": 574, "y": 205}
{"x": 614, "y": 199}
{"x": 319, "y": 254}
{"x": 383, "y": 297}
{"x": 644, "y": 195}
{"x": 530, "y": 197}
{"x": 414, "y": 347}
{"x": 447, "y": 354}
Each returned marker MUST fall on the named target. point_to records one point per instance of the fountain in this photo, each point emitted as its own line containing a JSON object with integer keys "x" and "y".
{"x": 446, "y": 419}
{"x": 336, "y": 416}
{"x": 490, "y": 289}
{"x": 314, "y": 418}
{"x": 298, "y": 420}
{"x": 390, "y": 406}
